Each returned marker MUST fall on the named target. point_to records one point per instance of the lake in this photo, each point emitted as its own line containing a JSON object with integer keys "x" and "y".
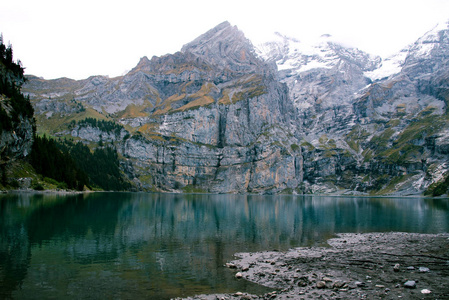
{"x": 159, "y": 246}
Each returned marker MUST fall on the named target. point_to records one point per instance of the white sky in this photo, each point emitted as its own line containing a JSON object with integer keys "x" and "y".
{"x": 77, "y": 39}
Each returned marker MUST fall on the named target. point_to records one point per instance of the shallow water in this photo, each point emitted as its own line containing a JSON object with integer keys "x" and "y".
{"x": 159, "y": 246}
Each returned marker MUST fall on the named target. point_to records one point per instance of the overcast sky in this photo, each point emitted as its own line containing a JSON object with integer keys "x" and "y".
{"x": 77, "y": 39}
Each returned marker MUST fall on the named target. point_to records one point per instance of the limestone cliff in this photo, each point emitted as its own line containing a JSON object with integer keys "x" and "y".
{"x": 212, "y": 118}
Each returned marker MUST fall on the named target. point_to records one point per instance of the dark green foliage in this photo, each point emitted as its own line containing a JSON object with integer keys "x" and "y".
{"x": 3, "y": 174}
{"x": 106, "y": 126}
{"x": 102, "y": 166}
{"x": 49, "y": 160}
{"x": 104, "y": 170}
{"x": 13, "y": 103}
{"x": 439, "y": 188}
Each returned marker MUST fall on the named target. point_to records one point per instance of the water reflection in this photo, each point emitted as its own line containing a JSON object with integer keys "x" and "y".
{"x": 121, "y": 245}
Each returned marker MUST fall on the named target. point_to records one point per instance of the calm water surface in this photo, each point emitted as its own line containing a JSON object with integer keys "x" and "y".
{"x": 159, "y": 246}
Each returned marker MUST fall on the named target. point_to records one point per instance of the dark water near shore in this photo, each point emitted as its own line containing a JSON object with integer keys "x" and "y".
{"x": 158, "y": 246}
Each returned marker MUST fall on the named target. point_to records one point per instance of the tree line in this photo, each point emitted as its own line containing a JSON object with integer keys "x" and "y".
{"x": 76, "y": 166}
{"x": 103, "y": 125}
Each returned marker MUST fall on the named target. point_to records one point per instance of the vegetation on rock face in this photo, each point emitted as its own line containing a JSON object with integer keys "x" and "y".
{"x": 16, "y": 113}
{"x": 103, "y": 125}
{"x": 13, "y": 104}
{"x": 438, "y": 188}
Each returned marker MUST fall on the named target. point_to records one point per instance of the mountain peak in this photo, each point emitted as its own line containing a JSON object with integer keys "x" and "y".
{"x": 223, "y": 31}
{"x": 226, "y": 47}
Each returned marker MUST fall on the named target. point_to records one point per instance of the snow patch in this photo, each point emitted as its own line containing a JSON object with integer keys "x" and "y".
{"x": 390, "y": 66}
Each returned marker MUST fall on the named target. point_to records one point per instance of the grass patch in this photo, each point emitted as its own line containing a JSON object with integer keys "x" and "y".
{"x": 193, "y": 189}
{"x": 438, "y": 188}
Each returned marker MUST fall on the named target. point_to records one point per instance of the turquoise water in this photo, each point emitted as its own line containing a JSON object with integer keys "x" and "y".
{"x": 159, "y": 246}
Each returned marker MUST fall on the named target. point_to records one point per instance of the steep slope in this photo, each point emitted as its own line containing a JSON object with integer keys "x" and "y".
{"x": 212, "y": 117}
{"x": 322, "y": 78}
{"x": 16, "y": 113}
{"x": 386, "y": 136}
{"x": 406, "y": 116}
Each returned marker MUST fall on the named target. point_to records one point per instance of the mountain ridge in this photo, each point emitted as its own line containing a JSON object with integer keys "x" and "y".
{"x": 216, "y": 117}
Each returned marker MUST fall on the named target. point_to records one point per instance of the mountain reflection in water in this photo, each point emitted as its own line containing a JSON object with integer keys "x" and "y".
{"x": 140, "y": 245}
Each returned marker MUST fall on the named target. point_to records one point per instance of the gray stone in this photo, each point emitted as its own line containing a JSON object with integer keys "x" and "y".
{"x": 359, "y": 283}
{"x": 231, "y": 265}
{"x": 396, "y": 267}
{"x": 339, "y": 284}
{"x": 410, "y": 284}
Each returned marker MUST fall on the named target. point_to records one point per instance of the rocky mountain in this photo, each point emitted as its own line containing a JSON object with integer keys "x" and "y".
{"x": 368, "y": 125}
{"x": 212, "y": 117}
{"x": 223, "y": 116}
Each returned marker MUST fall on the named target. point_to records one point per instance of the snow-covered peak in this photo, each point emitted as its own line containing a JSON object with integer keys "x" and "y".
{"x": 433, "y": 38}
{"x": 436, "y": 38}
{"x": 300, "y": 56}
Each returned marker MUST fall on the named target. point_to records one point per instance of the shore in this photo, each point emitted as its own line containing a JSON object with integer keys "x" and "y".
{"x": 354, "y": 266}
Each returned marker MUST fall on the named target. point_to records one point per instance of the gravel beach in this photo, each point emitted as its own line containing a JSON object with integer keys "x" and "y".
{"x": 355, "y": 266}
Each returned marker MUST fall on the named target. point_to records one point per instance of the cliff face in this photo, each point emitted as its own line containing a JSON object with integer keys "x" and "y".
{"x": 212, "y": 117}
{"x": 367, "y": 125}
{"x": 221, "y": 116}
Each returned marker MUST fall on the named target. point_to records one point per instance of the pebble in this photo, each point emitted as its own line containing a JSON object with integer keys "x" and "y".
{"x": 238, "y": 275}
{"x": 231, "y": 265}
{"x": 425, "y": 291}
{"x": 380, "y": 286}
{"x": 396, "y": 267}
{"x": 339, "y": 284}
{"x": 410, "y": 284}
{"x": 424, "y": 269}
{"x": 321, "y": 284}
{"x": 410, "y": 268}
{"x": 359, "y": 283}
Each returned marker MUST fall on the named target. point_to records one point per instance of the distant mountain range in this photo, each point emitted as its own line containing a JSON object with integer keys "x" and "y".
{"x": 223, "y": 116}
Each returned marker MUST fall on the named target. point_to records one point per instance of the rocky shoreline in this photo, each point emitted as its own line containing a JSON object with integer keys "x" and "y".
{"x": 354, "y": 266}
